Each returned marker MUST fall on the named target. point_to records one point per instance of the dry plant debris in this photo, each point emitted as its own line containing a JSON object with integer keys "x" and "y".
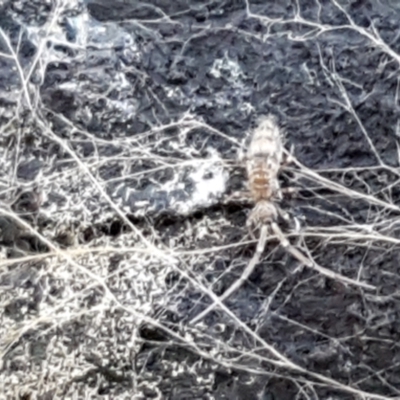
{"x": 119, "y": 133}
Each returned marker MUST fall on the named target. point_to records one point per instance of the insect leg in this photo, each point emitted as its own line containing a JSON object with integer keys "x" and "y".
{"x": 246, "y": 273}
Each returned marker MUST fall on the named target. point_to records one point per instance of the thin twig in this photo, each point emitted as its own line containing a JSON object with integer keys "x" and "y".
{"x": 308, "y": 262}
{"x": 312, "y": 264}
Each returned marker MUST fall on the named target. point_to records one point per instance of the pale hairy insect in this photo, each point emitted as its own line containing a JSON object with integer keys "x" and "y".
{"x": 263, "y": 161}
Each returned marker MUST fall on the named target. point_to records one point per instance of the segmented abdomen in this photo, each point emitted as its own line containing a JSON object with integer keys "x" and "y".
{"x": 266, "y": 142}
{"x": 262, "y": 181}
{"x": 264, "y": 158}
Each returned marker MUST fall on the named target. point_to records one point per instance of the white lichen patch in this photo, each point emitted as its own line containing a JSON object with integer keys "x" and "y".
{"x": 207, "y": 180}
{"x": 228, "y": 68}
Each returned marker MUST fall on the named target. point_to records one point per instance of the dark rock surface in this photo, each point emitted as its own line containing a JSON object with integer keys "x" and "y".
{"x": 121, "y": 124}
